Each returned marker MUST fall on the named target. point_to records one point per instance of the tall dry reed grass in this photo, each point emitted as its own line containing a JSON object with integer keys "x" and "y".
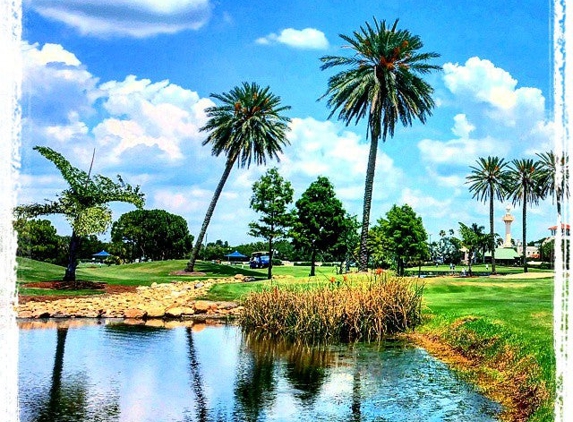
{"x": 359, "y": 307}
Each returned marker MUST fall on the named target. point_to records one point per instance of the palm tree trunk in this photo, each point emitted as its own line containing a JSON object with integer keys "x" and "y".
{"x": 270, "y": 271}
{"x": 209, "y": 214}
{"x": 70, "y": 274}
{"x": 491, "y": 232}
{"x": 524, "y": 234}
{"x": 368, "y": 187}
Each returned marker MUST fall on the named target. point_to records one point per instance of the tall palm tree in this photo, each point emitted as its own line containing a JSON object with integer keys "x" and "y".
{"x": 524, "y": 187}
{"x": 382, "y": 81}
{"x": 554, "y": 177}
{"x": 488, "y": 181}
{"x": 247, "y": 127}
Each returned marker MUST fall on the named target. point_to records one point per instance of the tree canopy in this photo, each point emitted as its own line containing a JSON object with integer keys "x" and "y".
{"x": 272, "y": 195}
{"x": 153, "y": 234}
{"x": 85, "y": 204}
{"x": 404, "y": 236}
{"x": 320, "y": 220}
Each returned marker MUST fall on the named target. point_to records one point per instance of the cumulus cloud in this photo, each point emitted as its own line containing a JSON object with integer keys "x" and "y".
{"x": 131, "y": 18}
{"x": 325, "y": 148}
{"x": 494, "y": 117}
{"x": 69, "y": 109}
{"x": 142, "y": 113}
{"x": 480, "y": 81}
{"x": 308, "y": 38}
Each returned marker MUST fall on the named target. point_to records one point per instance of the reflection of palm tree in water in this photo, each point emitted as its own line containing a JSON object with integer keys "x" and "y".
{"x": 196, "y": 380}
{"x": 356, "y": 395}
{"x": 50, "y": 412}
{"x": 69, "y": 401}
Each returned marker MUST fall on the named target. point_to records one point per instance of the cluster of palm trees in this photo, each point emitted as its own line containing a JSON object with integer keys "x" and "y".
{"x": 381, "y": 80}
{"x": 522, "y": 181}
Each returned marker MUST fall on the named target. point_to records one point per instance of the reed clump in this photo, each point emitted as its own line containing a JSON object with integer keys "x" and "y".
{"x": 348, "y": 308}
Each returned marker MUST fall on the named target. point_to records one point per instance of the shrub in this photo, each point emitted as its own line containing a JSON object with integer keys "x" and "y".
{"x": 354, "y": 308}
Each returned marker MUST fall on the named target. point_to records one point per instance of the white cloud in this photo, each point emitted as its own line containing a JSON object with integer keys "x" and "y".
{"x": 462, "y": 127}
{"x": 325, "y": 148}
{"x": 308, "y": 38}
{"x": 161, "y": 115}
{"x": 480, "y": 81}
{"x": 459, "y": 151}
{"x": 132, "y": 18}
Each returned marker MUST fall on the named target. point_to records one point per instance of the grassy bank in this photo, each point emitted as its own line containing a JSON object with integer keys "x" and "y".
{"x": 499, "y": 334}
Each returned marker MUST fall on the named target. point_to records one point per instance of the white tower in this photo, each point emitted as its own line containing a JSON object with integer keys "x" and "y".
{"x": 507, "y": 219}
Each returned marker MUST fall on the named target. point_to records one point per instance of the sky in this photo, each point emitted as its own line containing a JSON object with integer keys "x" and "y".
{"x": 132, "y": 78}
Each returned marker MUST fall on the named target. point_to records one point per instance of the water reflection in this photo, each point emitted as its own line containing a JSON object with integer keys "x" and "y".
{"x": 118, "y": 372}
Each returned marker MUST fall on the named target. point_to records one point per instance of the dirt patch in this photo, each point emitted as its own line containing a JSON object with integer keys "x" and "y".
{"x": 67, "y": 286}
{"x": 189, "y": 273}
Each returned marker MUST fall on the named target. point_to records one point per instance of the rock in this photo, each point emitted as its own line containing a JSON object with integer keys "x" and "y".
{"x": 199, "y": 285}
{"x": 226, "y": 305}
{"x": 239, "y": 276}
{"x": 134, "y": 313}
{"x": 179, "y": 311}
{"x": 155, "y": 312}
{"x": 25, "y": 314}
{"x": 40, "y": 313}
{"x": 202, "y": 306}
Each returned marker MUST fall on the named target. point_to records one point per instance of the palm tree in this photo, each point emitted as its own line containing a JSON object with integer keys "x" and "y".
{"x": 382, "y": 82}
{"x": 247, "y": 127}
{"x": 488, "y": 181}
{"x": 524, "y": 187}
{"x": 554, "y": 177}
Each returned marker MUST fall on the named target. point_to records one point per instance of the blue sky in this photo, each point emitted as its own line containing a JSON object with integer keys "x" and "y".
{"x": 132, "y": 78}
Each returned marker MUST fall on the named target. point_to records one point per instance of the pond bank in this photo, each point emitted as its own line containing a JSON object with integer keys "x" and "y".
{"x": 507, "y": 377}
{"x": 176, "y": 300}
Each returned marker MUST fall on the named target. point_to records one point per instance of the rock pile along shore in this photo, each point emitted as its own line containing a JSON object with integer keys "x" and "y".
{"x": 176, "y": 300}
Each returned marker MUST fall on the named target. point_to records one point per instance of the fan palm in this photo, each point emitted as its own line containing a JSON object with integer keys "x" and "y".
{"x": 247, "y": 127}
{"x": 381, "y": 81}
{"x": 554, "y": 177}
{"x": 488, "y": 181}
{"x": 524, "y": 187}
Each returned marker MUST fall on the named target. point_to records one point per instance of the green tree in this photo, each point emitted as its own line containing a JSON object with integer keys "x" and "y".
{"x": 37, "y": 239}
{"x": 85, "y": 204}
{"x": 554, "y": 177}
{"x": 448, "y": 249}
{"x": 154, "y": 234}
{"x": 473, "y": 239}
{"x": 348, "y": 242}
{"x": 404, "y": 235}
{"x": 525, "y": 186}
{"x": 378, "y": 248}
{"x": 272, "y": 194}
{"x": 320, "y": 220}
{"x": 381, "y": 81}
{"x": 248, "y": 126}
{"x": 488, "y": 181}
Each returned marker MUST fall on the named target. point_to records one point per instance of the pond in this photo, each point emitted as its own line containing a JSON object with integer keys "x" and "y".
{"x": 110, "y": 371}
